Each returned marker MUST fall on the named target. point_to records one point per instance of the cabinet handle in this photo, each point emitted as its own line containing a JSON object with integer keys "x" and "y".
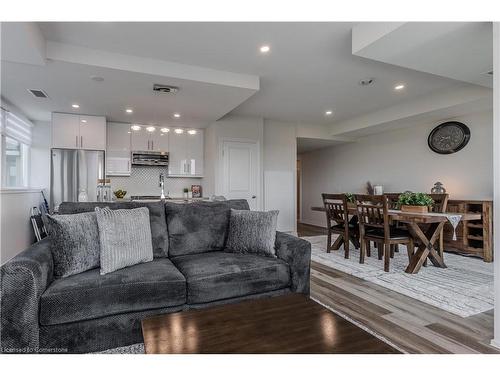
{"x": 76, "y": 141}
{"x": 152, "y": 145}
{"x": 81, "y": 141}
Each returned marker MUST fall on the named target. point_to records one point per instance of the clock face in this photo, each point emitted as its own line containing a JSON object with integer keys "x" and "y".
{"x": 449, "y": 137}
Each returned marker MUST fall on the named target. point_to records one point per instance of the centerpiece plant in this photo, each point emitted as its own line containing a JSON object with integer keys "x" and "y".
{"x": 350, "y": 199}
{"x": 415, "y": 202}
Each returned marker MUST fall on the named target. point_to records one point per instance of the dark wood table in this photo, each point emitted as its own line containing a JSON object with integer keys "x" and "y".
{"x": 427, "y": 238}
{"x": 288, "y": 324}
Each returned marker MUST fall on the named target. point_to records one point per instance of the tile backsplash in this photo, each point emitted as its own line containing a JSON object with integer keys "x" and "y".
{"x": 144, "y": 181}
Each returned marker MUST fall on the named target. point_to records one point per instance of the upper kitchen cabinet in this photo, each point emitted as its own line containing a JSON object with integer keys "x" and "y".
{"x": 153, "y": 140}
{"x": 65, "y": 130}
{"x": 186, "y": 153}
{"x": 78, "y": 132}
{"x": 93, "y": 132}
{"x": 118, "y": 149}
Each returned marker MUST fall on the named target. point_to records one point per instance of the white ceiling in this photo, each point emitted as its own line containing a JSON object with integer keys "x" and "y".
{"x": 310, "y": 69}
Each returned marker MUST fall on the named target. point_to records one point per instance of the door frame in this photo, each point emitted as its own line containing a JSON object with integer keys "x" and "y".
{"x": 220, "y": 175}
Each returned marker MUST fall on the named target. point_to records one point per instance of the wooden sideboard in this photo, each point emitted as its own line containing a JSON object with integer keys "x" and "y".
{"x": 474, "y": 238}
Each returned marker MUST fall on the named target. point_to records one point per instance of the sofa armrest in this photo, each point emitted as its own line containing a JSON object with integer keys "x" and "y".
{"x": 297, "y": 253}
{"x": 23, "y": 280}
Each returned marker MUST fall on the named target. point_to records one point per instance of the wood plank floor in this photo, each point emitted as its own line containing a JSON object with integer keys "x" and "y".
{"x": 287, "y": 324}
{"x": 413, "y": 326}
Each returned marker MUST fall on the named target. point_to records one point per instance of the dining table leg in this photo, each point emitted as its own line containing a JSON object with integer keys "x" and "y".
{"x": 426, "y": 249}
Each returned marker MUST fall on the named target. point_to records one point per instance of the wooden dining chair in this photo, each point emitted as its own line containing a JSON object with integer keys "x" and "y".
{"x": 440, "y": 205}
{"x": 337, "y": 219}
{"x": 374, "y": 226}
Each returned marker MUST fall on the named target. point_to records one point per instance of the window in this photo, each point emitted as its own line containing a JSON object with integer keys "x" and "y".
{"x": 15, "y": 147}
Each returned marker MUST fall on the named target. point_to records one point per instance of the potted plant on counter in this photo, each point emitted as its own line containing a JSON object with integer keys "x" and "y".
{"x": 415, "y": 202}
{"x": 120, "y": 194}
{"x": 351, "y": 201}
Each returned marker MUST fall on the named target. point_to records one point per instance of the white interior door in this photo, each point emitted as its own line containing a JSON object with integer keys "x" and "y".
{"x": 241, "y": 172}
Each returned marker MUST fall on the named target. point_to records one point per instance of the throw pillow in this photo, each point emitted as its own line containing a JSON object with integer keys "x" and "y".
{"x": 125, "y": 238}
{"x": 74, "y": 243}
{"x": 252, "y": 232}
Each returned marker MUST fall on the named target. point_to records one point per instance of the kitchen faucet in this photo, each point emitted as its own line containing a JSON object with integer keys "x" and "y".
{"x": 162, "y": 185}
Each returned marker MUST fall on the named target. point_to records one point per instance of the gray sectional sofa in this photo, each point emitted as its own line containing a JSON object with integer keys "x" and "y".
{"x": 88, "y": 312}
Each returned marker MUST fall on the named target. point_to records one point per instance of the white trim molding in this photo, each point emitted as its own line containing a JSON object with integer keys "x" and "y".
{"x": 496, "y": 176}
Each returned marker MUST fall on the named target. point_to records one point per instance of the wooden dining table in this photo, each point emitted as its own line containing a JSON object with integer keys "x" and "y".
{"x": 425, "y": 228}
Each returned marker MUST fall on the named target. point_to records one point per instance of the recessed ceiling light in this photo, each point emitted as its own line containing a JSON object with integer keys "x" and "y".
{"x": 399, "y": 87}
{"x": 150, "y": 129}
{"x": 179, "y": 131}
{"x": 75, "y": 105}
{"x": 192, "y": 132}
{"x": 135, "y": 127}
{"x": 177, "y": 115}
{"x": 328, "y": 113}
{"x": 265, "y": 49}
{"x": 129, "y": 110}
{"x": 84, "y": 121}
{"x": 164, "y": 130}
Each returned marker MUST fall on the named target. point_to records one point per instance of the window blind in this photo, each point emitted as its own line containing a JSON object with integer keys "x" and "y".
{"x": 16, "y": 127}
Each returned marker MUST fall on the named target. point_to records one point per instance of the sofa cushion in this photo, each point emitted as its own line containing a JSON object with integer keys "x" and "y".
{"x": 74, "y": 243}
{"x": 156, "y": 219}
{"x": 89, "y": 295}
{"x": 125, "y": 238}
{"x": 199, "y": 227}
{"x": 252, "y": 232}
{"x": 219, "y": 275}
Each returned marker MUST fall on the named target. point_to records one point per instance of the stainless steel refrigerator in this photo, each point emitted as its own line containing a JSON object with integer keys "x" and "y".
{"x": 74, "y": 171}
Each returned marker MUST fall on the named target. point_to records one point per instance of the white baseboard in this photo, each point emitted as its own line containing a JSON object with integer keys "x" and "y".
{"x": 316, "y": 224}
{"x": 495, "y": 343}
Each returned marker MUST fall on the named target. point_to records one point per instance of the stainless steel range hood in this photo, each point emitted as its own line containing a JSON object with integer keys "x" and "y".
{"x": 151, "y": 158}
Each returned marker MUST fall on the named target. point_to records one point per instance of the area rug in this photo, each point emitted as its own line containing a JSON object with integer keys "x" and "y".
{"x": 131, "y": 349}
{"x": 465, "y": 288}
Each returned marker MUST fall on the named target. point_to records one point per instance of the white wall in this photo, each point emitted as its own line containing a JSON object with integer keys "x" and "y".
{"x": 278, "y": 162}
{"x": 236, "y": 127}
{"x": 400, "y": 160}
{"x": 496, "y": 163}
{"x": 15, "y": 226}
{"x": 280, "y": 178}
{"x": 40, "y": 156}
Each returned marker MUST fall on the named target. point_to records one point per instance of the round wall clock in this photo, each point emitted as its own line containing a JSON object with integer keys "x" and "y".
{"x": 449, "y": 137}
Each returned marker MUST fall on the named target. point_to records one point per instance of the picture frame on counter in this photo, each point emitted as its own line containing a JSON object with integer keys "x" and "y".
{"x": 196, "y": 191}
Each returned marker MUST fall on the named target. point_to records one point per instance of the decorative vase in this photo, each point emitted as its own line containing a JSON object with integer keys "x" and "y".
{"x": 415, "y": 209}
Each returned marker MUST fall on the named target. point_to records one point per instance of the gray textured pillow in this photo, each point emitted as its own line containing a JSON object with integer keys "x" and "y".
{"x": 125, "y": 238}
{"x": 74, "y": 243}
{"x": 252, "y": 232}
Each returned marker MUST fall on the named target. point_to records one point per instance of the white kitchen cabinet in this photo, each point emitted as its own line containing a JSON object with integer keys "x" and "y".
{"x": 195, "y": 153}
{"x": 78, "y": 132}
{"x": 118, "y": 149}
{"x": 186, "y": 154}
{"x": 65, "y": 130}
{"x": 160, "y": 140}
{"x": 92, "y": 132}
{"x": 141, "y": 140}
{"x": 177, "y": 154}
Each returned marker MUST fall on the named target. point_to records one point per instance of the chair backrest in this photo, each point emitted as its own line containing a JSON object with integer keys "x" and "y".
{"x": 372, "y": 212}
{"x": 392, "y": 200}
{"x": 440, "y": 202}
{"x": 335, "y": 208}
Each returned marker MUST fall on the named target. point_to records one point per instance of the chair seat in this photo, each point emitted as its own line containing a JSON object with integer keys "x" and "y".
{"x": 89, "y": 295}
{"x": 396, "y": 233}
{"x": 341, "y": 227}
{"x": 221, "y": 275}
